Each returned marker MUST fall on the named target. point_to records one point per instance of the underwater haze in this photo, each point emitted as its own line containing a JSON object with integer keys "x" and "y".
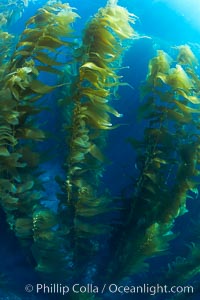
{"x": 99, "y": 150}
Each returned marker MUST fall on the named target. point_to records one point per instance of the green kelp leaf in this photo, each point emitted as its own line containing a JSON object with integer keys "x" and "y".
{"x": 95, "y": 98}
{"x": 24, "y": 227}
{"x": 49, "y": 69}
{"x": 11, "y": 117}
{"x": 51, "y": 42}
{"x": 4, "y": 151}
{"x": 192, "y": 99}
{"x": 31, "y": 133}
{"x": 96, "y": 152}
{"x": 12, "y": 161}
{"x": 25, "y": 186}
{"x": 44, "y": 219}
{"x": 187, "y": 109}
{"x": 9, "y": 202}
{"x": 26, "y": 43}
{"x": 41, "y": 88}
{"x": 160, "y": 135}
{"x": 7, "y": 185}
{"x": 7, "y": 103}
{"x": 84, "y": 228}
{"x": 91, "y": 92}
{"x": 30, "y": 34}
{"x": 177, "y": 116}
{"x": 160, "y": 160}
{"x": 82, "y": 141}
{"x": 151, "y": 176}
{"x": 91, "y": 207}
{"x": 7, "y": 139}
{"x": 45, "y": 59}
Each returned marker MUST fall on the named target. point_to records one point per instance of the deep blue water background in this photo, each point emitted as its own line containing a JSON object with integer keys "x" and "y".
{"x": 163, "y": 28}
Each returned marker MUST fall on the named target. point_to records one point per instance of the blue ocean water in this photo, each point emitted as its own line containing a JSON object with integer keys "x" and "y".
{"x": 160, "y": 25}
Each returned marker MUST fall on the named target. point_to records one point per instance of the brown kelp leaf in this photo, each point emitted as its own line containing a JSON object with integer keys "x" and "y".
{"x": 31, "y": 133}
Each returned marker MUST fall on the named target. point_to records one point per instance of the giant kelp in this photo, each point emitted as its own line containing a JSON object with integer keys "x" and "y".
{"x": 98, "y": 60}
{"x": 168, "y": 158}
{"x": 66, "y": 242}
{"x": 168, "y": 165}
{"x": 21, "y": 190}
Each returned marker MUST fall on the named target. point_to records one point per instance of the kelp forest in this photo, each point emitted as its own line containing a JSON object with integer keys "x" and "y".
{"x": 70, "y": 227}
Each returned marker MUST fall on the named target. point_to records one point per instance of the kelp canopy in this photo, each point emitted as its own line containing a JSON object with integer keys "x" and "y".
{"x": 87, "y": 228}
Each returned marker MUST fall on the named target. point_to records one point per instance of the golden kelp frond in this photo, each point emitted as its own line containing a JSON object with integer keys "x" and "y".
{"x": 195, "y": 78}
{"x": 118, "y": 19}
{"x": 178, "y": 79}
{"x": 44, "y": 34}
{"x": 186, "y": 56}
{"x": 19, "y": 80}
{"x": 160, "y": 64}
{"x": 109, "y": 27}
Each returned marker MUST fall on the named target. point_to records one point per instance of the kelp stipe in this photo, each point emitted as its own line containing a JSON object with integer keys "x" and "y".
{"x": 21, "y": 190}
{"x": 169, "y": 162}
{"x": 98, "y": 59}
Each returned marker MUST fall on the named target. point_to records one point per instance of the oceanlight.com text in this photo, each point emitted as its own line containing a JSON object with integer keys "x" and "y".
{"x": 112, "y": 288}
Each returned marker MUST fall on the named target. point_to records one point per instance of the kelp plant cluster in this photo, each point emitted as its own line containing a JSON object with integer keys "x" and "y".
{"x": 98, "y": 61}
{"x": 21, "y": 187}
{"x": 60, "y": 240}
{"x": 168, "y": 160}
